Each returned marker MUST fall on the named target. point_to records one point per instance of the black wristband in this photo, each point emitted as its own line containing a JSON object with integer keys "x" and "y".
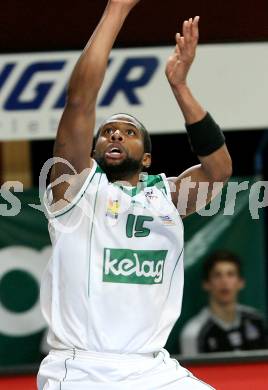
{"x": 205, "y": 136}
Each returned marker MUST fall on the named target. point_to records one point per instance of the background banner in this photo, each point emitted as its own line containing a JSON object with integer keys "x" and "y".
{"x": 25, "y": 249}
{"x": 230, "y": 79}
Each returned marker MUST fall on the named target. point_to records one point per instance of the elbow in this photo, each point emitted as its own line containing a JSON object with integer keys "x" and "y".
{"x": 223, "y": 173}
{"x": 228, "y": 169}
{"x": 80, "y": 102}
{"x": 82, "y": 93}
{"x": 74, "y": 100}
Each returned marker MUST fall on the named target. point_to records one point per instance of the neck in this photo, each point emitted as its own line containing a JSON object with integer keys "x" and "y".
{"x": 130, "y": 180}
{"x": 226, "y": 312}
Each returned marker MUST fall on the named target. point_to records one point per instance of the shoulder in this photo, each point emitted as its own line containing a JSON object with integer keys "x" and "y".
{"x": 192, "y": 332}
{"x": 76, "y": 186}
{"x": 251, "y": 313}
{"x": 196, "y": 324}
{"x": 156, "y": 180}
{"x": 161, "y": 182}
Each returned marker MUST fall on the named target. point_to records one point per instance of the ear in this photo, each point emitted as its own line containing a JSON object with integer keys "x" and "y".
{"x": 147, "y": 160}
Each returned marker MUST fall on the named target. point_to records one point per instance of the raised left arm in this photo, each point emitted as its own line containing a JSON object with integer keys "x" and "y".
{"x": 206, "y": 138}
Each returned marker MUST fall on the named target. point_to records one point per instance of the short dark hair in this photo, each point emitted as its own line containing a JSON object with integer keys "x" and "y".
{"x": 219, "y": 257}
{"x": 147, "y": 142}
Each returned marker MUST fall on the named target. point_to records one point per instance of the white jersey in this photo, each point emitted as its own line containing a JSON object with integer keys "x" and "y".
{"x": 114, "y": 282}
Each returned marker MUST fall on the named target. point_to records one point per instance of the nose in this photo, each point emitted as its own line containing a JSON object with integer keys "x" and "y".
{"x": 117, "y": 136}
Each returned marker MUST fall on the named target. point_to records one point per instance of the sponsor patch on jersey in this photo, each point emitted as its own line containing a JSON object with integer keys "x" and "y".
{"x": 134, "y": 266}
{"x": 113, "y": 209}
{"x": 167, "y": 220}
{"x": 150, "y": 194}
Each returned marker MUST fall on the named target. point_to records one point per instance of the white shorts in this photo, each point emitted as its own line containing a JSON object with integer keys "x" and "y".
{"x": 83, "y": 370}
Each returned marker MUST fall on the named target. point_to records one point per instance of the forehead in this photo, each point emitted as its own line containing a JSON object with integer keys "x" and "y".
{"x": 222, "y": 266}
{"x": 122, "y": 118}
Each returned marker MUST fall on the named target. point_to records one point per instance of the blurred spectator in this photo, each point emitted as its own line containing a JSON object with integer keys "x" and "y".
{"x": 224, "y": 325}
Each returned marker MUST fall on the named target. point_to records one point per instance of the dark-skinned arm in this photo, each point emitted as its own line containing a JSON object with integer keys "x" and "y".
{"x": 216, "y": 167}
{"x": 75, "y": 132}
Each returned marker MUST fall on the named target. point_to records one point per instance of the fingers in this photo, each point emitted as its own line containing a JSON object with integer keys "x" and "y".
{"x": 190, "y": 30}
{"x": 180, "y": 43}
{"x": 195, "y": 28}
{"x": 187, "y": 30}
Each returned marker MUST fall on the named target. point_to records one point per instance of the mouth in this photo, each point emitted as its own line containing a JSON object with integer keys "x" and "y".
{"x": 115, "y": 152}
{"x": 225, "y": 292}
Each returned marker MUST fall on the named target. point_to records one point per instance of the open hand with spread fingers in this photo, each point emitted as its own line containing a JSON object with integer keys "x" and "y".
{"x": 180, "y": 61}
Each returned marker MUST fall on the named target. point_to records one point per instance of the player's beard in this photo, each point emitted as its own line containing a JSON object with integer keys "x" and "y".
{"x": 122, "y": 171}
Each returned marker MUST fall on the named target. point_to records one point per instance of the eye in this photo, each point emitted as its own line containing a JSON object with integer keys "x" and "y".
{"x": 130, "y": 132}
{"x": 108, "y": 130}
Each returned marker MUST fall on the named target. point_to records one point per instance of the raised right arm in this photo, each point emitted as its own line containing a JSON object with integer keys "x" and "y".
{"x": 75, "y": 132}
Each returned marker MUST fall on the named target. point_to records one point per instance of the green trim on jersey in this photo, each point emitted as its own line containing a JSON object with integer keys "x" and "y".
{"x": 98, "y": 169}
{"x": 177, "y": 262}
{"x": 151, "y": 181}
{"x": 91, "y": 233}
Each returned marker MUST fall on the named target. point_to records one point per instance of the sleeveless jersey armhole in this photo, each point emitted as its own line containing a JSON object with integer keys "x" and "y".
{"x": 168, "y": 190}
{"x": 48, "y": 196}
{"x": 166, "y": 186}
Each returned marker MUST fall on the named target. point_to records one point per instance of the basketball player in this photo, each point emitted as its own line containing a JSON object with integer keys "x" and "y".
{"x": 113, "y": 288}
